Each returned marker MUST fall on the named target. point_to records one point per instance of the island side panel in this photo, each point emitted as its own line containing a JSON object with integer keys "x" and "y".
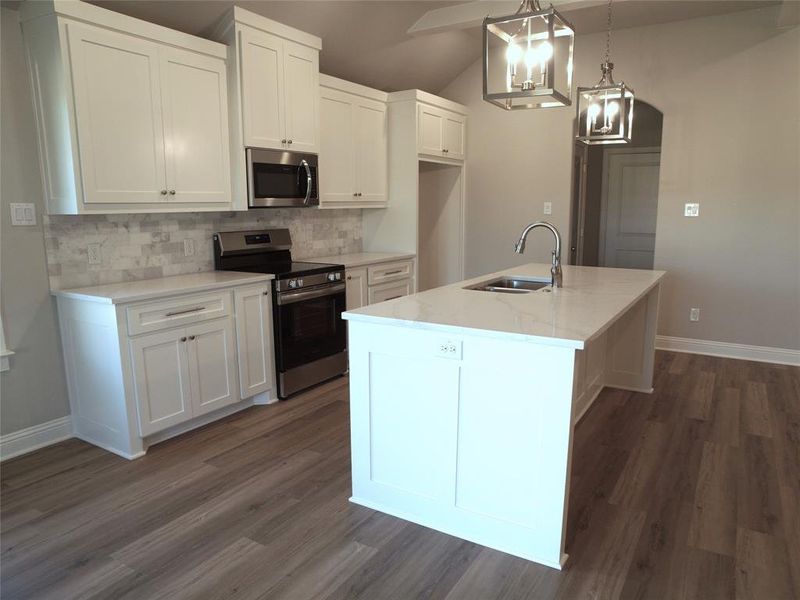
{"x": 631, "y": 346}
{"x": 465, "y": 434}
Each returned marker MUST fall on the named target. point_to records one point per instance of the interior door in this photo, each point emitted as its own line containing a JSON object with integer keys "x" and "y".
{"x": 337, "y": 170}
{"x": 115, "y": 82}
{"x": 212, "y": 365}
{"x": 430, "y": 136}
{"x": 161, "y": 380}
{"x": 263, "y": 108}
{"x": 454, "y": 136}
{"x": 195, "y": 127}
{"x": 371, "y": 150}
{"x": 628, "y": 208}
{"x": 301, "y": 73}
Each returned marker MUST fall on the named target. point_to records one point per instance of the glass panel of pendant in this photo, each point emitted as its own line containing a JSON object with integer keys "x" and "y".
{"x": 528, "y": 60}
{"x": 605, "y": 114}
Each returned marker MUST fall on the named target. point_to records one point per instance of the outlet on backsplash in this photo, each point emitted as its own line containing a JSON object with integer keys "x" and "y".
{"x": 188, "y": 247}
{"x": 93, "y": 252}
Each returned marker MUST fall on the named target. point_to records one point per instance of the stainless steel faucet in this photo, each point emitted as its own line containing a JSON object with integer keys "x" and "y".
{"x": 555, "y": 268}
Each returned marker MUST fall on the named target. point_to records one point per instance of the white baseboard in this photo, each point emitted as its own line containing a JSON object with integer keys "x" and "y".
{"x": 33, "y": 438}
{"x": 781, "y": 356}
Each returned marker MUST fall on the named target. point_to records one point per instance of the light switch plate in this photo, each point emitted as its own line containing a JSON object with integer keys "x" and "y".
{"x": 548, "y": 208}
{"x": 23, "y": 213}
{"x": 692, "y": 209}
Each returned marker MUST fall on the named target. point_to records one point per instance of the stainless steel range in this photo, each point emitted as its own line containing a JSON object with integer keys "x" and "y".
{"x": 308, "y": 301}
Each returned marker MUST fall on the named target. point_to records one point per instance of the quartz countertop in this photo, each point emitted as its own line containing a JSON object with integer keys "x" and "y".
{"x": 591, "y": 299}
{"x": 359, "y": 259}
{"x": 149, "y": 289}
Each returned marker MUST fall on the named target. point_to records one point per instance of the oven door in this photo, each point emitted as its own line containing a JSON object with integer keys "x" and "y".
{"x": 276, "y": 178}
{"x": 309, "y": 325}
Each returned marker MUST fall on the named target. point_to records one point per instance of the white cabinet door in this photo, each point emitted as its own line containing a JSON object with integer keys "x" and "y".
{"x": 301, "y": 80}
{"x": 356, "y": 288}
{"x": 161, "y": 380}
{"x": 454, "y": 136}
{"x": 371, "y": 150}
{"x": 212, "y": 365}
{"x": 254, "y": 339}
{"x": 337, "y": 169}
{"x": 263, "y": 108}
{"x": 430, "y": 130}
{"x": 195, "y": 127}
{"x": 116, "y": 88}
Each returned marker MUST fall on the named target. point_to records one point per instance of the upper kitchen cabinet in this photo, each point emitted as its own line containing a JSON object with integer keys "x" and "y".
{"x": 353, "y": 145}
{"x": 131, "y": 117}
{"x": 273, "y": 87}
{"x": 440, "y": 132}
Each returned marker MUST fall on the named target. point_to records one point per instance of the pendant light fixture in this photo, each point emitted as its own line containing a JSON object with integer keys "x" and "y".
{"x": 527, "y": 58}
{"x": 605, "y": 111}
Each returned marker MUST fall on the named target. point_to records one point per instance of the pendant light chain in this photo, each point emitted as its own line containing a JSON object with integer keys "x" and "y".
{"x": 608, "y": 34}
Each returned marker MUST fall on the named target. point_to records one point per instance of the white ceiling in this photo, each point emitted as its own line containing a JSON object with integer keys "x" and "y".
{"x": 366, "y": 41}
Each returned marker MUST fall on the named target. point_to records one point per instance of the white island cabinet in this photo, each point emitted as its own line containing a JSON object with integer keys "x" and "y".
{"x": 463, "y": 402}
{"x": 147, "y": 360}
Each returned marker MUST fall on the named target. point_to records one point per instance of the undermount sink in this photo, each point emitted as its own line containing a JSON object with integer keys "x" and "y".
{"x": 511, "y": 285}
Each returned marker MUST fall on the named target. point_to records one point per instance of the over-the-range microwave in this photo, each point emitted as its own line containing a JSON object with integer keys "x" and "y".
{"x": 279, "y": 178}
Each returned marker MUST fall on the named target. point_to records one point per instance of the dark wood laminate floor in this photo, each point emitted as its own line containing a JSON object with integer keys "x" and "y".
{"x": 692, "y": 492}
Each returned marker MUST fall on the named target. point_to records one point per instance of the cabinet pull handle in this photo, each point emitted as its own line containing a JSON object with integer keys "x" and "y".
{"x": 395, "y": 272}
{"x": 191, "y": 337}
{"x": 183, "y": 339}
{"x": 185, "y": 312}
{"x": 394, "y": 297}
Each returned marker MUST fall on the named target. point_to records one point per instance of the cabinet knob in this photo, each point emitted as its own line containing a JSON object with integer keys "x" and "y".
{"x": 183, "y": 339}
{"x": 355, "y": 194}
{"x": 359, "y": 194}
{"x": 172, "y": 192}
{"x": 266, "y": 293}
{"x": 349, "y": 277}
{"x": 289, "y": 142}
{"x": 283, "y": 141}
{"x": 191, "y": 337}
{"x": 445, "y": 150}
{"x": 163, "y": 192}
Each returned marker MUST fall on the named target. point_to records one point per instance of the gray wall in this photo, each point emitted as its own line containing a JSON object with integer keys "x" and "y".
{"x": 33, "y": 391}
{"x": 728, "y": 87}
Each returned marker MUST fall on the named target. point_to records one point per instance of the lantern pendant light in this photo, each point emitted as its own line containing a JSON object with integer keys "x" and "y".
{"x": 605, "y": 111}
{"x": 527, "y": 58}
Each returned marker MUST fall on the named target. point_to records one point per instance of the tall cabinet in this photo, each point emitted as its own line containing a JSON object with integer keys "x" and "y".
{"x": 117, "y": 102}
{"x": 425, "y": 211}
{"x": 273, "y": 87}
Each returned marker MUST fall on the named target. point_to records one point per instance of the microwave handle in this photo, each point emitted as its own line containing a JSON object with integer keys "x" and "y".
{"x": 308, "y": 181}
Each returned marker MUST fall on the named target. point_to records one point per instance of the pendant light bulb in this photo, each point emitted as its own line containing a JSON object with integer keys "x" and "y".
{"x": 545, "y": 51}
{"x": 513, "y": 53}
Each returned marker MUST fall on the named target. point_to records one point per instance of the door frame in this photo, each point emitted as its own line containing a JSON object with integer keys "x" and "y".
{"x": 607, "y": 154}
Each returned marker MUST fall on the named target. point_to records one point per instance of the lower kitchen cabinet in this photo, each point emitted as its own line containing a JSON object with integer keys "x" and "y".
{"x": 142, "y": 371}
{"x": 356, "y": 288}
{"x": 253, "y": 307}
{"x": 379, "y": 282}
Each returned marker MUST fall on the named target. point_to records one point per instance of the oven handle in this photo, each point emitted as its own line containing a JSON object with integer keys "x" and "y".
{"x": 308, "y": 181}
{"x": 292, "y": 297}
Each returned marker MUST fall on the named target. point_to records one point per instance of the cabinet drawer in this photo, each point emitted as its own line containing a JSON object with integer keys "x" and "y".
{"x": 154, "y": 316}
{"x": 389, "y": 291}
{"x": 390, "y": 272}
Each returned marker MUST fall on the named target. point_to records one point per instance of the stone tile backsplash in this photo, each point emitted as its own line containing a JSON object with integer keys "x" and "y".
{"x": 145, "y": 246}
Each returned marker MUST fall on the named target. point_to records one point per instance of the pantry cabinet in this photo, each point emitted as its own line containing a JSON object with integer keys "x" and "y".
{"x": 131, "y": 117}
{"x": 354, "y": 145}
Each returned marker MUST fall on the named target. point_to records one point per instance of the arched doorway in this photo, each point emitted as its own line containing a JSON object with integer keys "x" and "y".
{"x": 615, "y": 197}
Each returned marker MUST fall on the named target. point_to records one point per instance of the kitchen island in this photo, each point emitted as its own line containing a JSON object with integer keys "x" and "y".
{"x": 463, "y": 401}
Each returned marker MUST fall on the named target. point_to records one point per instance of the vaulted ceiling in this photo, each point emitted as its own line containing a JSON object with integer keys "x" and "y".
{"x": 367, "y": 41}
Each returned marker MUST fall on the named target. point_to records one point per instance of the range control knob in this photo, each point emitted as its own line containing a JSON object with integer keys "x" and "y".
{"x": 331, "y": 276}
{"x": 293, "y": 283}
{"x": 338, "y": 276}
